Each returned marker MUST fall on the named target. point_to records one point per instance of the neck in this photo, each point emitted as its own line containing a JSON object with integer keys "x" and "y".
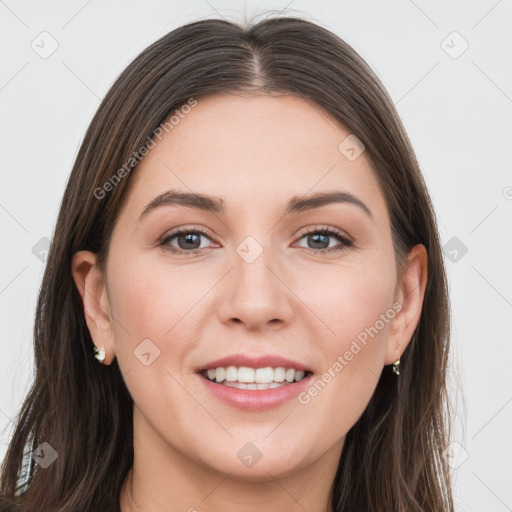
{"x": 163, "y": 478}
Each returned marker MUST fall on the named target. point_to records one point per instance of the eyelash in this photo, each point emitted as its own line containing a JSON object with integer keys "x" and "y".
{"x": 346, "y": 242}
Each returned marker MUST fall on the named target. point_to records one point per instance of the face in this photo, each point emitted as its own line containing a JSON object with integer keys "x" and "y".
{"x": 260, "y": 276}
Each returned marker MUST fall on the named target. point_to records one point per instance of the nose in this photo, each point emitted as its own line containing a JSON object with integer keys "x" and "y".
{"x": 255, "y": 294}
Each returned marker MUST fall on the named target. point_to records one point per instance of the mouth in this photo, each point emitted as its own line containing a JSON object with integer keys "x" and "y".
{"x": 254, "y": 383}
{"x": 245, "y": 377}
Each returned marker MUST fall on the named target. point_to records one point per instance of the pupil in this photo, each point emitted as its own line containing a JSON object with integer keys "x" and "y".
{"x": 189, "y": 238}
{"x": 317, "y": 238}
{"x": 319, "y": 241}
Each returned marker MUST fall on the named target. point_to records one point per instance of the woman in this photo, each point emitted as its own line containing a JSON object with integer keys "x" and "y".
{"x": 245, "y": 300}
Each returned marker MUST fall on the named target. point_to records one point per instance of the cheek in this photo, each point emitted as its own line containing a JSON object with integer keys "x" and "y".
{"x": 357, "y": 307}
{"x": 354, "y": 300}
{"x": 151, "y": 299}
{"x": 156, "y": 303}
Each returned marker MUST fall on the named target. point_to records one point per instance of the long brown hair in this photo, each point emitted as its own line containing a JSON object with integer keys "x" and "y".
{"x": 392, "y": 457}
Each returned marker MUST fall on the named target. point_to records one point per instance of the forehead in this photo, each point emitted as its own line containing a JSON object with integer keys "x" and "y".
{"x": 253, "y": 151}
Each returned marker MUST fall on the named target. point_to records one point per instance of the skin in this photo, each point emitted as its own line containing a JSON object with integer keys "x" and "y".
{"x": 255, "y": 153}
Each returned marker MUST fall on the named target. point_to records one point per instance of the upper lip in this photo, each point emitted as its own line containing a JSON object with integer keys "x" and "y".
{"x": 263, "y": 361}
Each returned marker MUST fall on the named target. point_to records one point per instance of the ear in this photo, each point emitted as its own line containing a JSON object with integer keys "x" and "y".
{"x": 91, "y": 284}
{"x": 409, "y": 294}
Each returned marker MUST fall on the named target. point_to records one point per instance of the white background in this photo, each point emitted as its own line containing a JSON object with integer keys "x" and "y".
{"x": 457, "y": 111}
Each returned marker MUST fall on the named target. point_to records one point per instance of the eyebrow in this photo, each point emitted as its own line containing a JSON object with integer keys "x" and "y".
{"x": 215, "y": 204}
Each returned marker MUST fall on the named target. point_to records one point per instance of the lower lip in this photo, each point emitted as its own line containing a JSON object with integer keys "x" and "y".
{"x": 256, "y": 399}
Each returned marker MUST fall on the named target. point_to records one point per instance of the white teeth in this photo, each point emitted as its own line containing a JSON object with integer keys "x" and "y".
{"x": 246, "y": 374}
{"x": 264, "y": 376}
{"x": 279, "y": 374}
{"x": 231, "y": 374}
{"x": 252, "y": 385}
{"x": 253, "y": 378}
{"x": 290, "y": 375}
{"x": 220, "y": 374}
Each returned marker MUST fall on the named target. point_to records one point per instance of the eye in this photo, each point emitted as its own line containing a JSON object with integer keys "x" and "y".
{"x": 319, "y": 239}
{"x": 188, "y": 240}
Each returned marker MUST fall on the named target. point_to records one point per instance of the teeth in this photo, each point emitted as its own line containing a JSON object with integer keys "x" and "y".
{"x": 279, "y": 374}
{"x": 264, "y": 376}
{"x": 254, "y": 378}
{"x": 220, "y": 374}
{"x": 245, "y": 374}
{"x": 231, "y": 373}
{"x": 253, "y": 385}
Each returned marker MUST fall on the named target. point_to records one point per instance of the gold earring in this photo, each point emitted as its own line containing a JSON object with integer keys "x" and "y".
{"x": 396, "y": 364}
{"x": 99, "y": 353}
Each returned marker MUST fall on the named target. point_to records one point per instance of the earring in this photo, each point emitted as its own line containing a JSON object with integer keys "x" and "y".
{"x": 99, "y": 353}
{"x": 396, "y": 364}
